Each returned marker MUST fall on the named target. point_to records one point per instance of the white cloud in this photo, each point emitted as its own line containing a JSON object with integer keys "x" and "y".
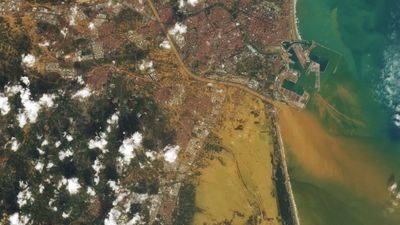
{"x": 80, "y": 80}
{"x": 178, "y": 32}
{"x": 99, "y": 142}
{"x": 72, "y": 16}
{"x": 113, "y": 185}
{"x": 44, "y": 44}
{"x": 393, "y": 187}
{"x": 65, "y": 215}
{"x": 45, "y": 142}
{"x": 151, "y": 154}
{"x": 16, "y": 219}
{"x": 112, "y": 218}
{"x": 146, "y": 65}
{"x": 14, "y": 144}
{"x": 22, "y": 120}
{"x": 181, "y": 4}
{"x": 171, "y": 153}
{"x": 39, "y": 166}
{"x": 83, "y": 93}
{"x": 64, "y": 154}
{"x": 137, "y": 138}
{"x": 28, "y": 60}
{"x": 25, "y": 195}
{"x": 121, "y": 205}
{"x": 49, "y": 165}
{"x": 73, "y": 185}
{"x": 31, "y": 108}
{"x": 91, "y": 26}
{"x": 128, "y": 146}
{"x": 12, "y": 90}
{"x": 4, "y": 105}
{"x": 193, "y": 2}
{"x": 64, "y": 32}
{"x": 41, "y": 188}
{"x": 91, "y": 191}
{"x": 165, "y": 44}
{"x": 179, "y": 28}
{"x": 47, "y": 100}
{"x": 135, "y": 220}
{"x": 53, "y": 207}
{"x": 114, "y": 119}
{"x": 25, "y": 80}
{"x": 69, "y": 137}
{"x": 97, "y": 166}
{"x": 41, "y": 152}
{"x": 396, "y": 119}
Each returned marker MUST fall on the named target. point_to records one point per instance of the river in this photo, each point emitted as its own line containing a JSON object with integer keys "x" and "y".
{"x": 344, "y": 149}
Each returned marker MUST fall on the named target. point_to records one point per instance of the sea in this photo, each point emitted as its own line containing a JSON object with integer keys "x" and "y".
{"x": 363, "y": 95}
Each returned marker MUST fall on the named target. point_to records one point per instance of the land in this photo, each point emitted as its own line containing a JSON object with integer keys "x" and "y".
{"x": 247, "y": 194}
{"x": 154, "y": 83}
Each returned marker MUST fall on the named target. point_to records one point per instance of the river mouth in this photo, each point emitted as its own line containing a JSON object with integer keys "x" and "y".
{"x": 346, "y": 144}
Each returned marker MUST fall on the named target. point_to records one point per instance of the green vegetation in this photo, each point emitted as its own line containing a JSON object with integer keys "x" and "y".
{"x": 186, "y": 208}
{"x": 131, "y": 54}
{"x": 127, "y": 20}
{"x": 128, "y": 15}
{"x": 83, "y": 120}
{"x": 213, "y": 143}
{"x": 251, "y": 66}
{"x": 179, "y": 15}
{"x": 48, "y": 30}
{"x": 12, "y": 46}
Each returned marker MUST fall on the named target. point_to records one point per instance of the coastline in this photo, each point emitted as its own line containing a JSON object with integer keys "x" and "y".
{"x": 285, "y": 196}
{"x": 297, "y": 35}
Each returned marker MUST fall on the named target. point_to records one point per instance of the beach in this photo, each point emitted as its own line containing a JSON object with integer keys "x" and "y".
{"x": 297, "y": 35}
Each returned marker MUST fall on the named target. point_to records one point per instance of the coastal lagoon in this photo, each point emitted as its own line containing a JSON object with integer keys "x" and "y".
{"x": 346, "y": 145}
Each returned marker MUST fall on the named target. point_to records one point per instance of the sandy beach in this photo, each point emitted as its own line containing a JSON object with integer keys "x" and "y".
{"x": 296, "y": 22}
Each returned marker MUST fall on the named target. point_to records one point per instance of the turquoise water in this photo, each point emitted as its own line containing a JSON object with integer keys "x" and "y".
{"x": 366, "y": 35}
{"x": 365, "y": 32}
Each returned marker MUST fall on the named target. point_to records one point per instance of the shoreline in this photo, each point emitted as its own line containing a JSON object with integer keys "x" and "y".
{"x": 285, "y": 196}
{"x": 297, "y": 35}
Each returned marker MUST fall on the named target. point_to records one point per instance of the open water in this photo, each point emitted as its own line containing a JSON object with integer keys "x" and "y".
{"x": 364, "y": 88}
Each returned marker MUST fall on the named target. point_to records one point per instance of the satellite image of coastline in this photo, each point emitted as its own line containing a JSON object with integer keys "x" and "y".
{"x": 200, "y": 112}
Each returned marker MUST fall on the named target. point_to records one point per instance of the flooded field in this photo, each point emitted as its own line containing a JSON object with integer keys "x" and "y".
{"x": 236, "y": 186}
